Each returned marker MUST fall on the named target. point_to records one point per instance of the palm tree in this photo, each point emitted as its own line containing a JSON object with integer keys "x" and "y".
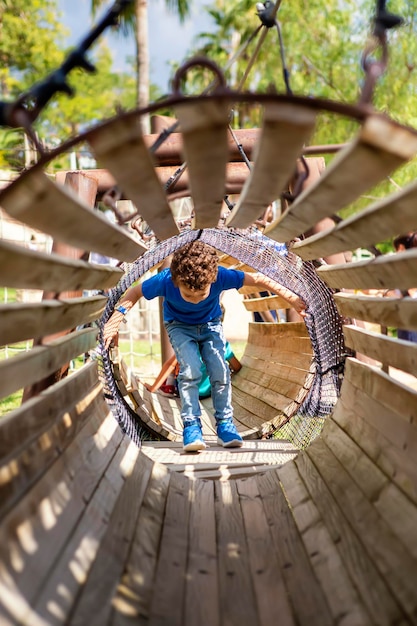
{"x": 136, "y": 19}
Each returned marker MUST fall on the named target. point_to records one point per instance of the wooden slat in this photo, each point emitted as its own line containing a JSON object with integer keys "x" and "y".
{"x": 21, "y": 426}
{"x": 284, "y": 371}
{"x": 338, "y": 588}
{"x": 94, "y": 525}
{"x": 285, "y": 130}
{"x": 221, "y": 459}
{"x": 202, "y": 589}
{"x": 396, "y": 397}
{"x": 397, "y": 312}
{"x": 381, "y": 433}
{"x": 297, "y": 570}
{"x": 120, "y": 147}
{"x": 112, "y": 551}
{"x": 266, "y": 570}
{"x": 170, "y": 577}
{"x": 20, "y": 321}
{"x": 387, "y": 217}
{"x": 394, "y": 507}
{"x": 389, "y": 351}
{"x": 381, "y": 147}
{"x": 237, "y": 600}
{"x": 204, "y": 129}
{"x": 47, "y": 517}
{"x": 30, "y": 367}
{"x": 26, "y": 269}
{"x": 133, "y": 595}
{"x": 373, "y": 590}
{"x": 264, "y": 334}
{"x": 54, "y": 209}
{"x": 396, "y": 271}
{"x": 392, "y": 560}
{"x": 267, "y": 303}
{"x": 33, "y": 436}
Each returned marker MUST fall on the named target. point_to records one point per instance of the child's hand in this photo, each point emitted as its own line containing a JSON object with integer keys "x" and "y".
{"x": 300, "y": 306}
{"x": 111, "y": 328}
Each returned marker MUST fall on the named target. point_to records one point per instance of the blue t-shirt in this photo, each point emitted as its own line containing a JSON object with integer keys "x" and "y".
{"x": 178, "y": 309}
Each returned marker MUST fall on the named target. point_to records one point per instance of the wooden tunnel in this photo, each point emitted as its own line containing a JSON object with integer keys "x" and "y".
{"x": 97, "y": 530}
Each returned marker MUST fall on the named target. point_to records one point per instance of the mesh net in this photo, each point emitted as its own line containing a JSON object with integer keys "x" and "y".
{"x": 323, "y": 323}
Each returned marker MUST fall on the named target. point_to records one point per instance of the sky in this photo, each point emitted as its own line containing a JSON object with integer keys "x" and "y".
{"x": 168, "y": 39}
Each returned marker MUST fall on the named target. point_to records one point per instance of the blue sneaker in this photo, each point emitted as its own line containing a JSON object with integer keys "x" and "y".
{"x": 227, "y": 435}
{"x": 193, "y": 437}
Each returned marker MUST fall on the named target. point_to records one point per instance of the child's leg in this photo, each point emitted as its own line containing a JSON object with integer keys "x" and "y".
{"x": 185, "y": 345}
{"x": 213, "y": 354}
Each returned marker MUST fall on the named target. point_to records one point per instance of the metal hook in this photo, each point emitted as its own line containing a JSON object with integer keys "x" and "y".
{"x": 196, "y": 62}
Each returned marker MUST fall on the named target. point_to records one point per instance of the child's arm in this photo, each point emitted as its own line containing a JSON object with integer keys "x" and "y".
{"x": 264, "y": 283}
{"x": 128, "y": 300}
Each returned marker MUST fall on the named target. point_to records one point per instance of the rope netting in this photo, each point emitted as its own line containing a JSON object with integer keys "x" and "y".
{"x": 274, "y": 260}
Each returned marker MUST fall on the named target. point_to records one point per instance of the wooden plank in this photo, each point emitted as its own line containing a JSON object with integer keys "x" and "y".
{"x": 91, "y": 529}
{"x": 24, "y": 320}
{"x": 253, "y": 452}
{"x": 388, "y": 436}
{"x": 272, "y": 389}
{"x": 93, "y": 605}
{"x": 34, "y": 435}
{"x": 26, "y": 269}
{"x": 170, "y": 577}
{"x": 250, "y": 415}
{"x": 393, "y": 460}
{"x": 42, "y": 522}
{"x": 134, "y": 593}
{"x": 298, "y": 358}
{"x": 395, "y": 566}
{"x": 393, "y": 214}
{"x": 397, "y": 397}
{"x": 262, "y": 334}
{"x": 25, "y": 369}
{"x": 285, "y": 130}
{"x": 267, "y": 575}
{"x": 201, "y": 605}
{"x": 339, "y": 590}
{"x": 293, "y": 347}
{"x": 267, "y": 303}
{"x": 397, "y": 312}
{"x": 387, "y": 350}
{"x": 38, "y": 414}
{"x": 285, "y": 372}
{"x": 298, "y": 574}
{"x": 395, "y": 508}
{"x": 396, "y": 271}
{"x": 261, "y": 411}
{"x": 204, "y": 128}
{"x": 380, "y": 147}
{"x": 119, "y": 146}
{"x": 145, "y": 410}
{"x": 56, "y": 210}
{"x": 237, "y": 598}
{"x": 224, "y": 474}
{"x": 385, "y": 419}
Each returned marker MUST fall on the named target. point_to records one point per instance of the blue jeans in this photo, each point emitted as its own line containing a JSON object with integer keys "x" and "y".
{"x": 189, "y": 341}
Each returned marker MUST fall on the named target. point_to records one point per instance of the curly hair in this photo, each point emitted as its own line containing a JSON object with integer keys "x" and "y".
{"x": 195, "y": 265}
{"x": 408, "y": 241}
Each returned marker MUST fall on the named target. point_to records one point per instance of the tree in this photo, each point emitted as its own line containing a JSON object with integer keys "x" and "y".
{"x": 136, "y": 20}
{"x": 31, "y": 39}
{"x": 31, "y": 47}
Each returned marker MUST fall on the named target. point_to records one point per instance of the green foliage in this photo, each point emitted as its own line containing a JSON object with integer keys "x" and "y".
{"x": 30, "y": 40}
{"x": 96, "y": 97}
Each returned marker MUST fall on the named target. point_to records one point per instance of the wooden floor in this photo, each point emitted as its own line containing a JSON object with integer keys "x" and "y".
{"x": 219, "y": 463}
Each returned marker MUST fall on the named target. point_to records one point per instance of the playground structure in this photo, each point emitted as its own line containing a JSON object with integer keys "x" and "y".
{"x": 103, "y": 520}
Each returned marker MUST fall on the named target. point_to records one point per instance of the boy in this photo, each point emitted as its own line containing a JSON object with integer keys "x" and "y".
{"x": 191, "y": 289}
